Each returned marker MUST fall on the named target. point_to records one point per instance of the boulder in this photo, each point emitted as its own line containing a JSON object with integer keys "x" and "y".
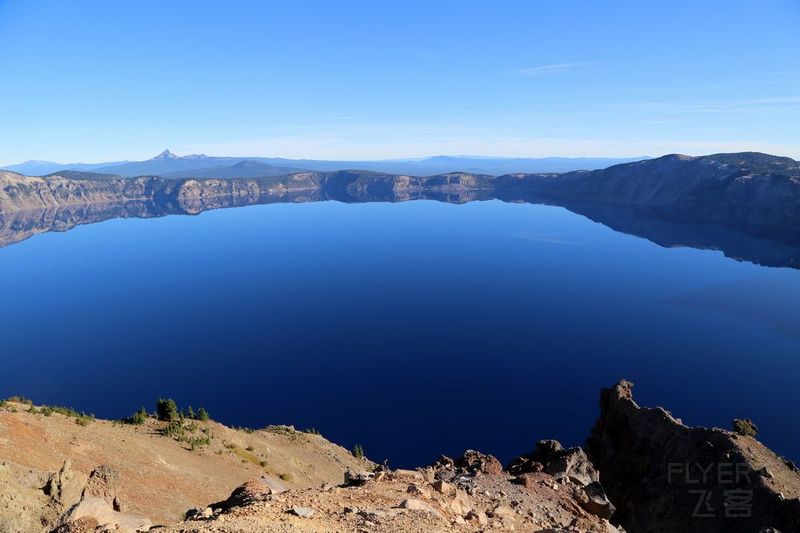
{"x": 505, "y": 513}
{"x": 478, "y": 517}
{"x": 473, "y": 461}
{"x": 551, "y": 457}
{"x": 275, "y": 485}
{"x": 356, "y": 479}
{"x": 417, "y": 490}
{"x": 443, "y": 487}
{"x": 252, "y": 491}
{"x": 302, "y": 512}
{"x": 572, "y": 464}
{"x": 461, "y": 504}
{"x": 593, "y": 499}
{"x": 412, "y": 504}
{"x": 100, "y": 512}
{"x": 526, "y": 480}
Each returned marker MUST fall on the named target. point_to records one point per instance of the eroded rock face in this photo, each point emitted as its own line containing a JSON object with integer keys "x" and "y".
{"x": 664, "y": 476}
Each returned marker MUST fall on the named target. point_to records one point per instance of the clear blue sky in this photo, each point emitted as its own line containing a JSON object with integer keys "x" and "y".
{"x": 100, "y": 80}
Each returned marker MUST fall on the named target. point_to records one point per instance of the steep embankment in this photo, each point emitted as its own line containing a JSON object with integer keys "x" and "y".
{"x": 149, "y": 470}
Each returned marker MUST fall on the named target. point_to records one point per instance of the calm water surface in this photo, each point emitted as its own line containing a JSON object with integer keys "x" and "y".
{"x": 413, "y": 328}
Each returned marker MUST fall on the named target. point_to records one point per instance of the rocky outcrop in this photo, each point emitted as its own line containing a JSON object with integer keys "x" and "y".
{"x": 64, "y": 501}
{"x": 664, "y": 476}
{"x": 571, "y": 467}
{"x": 471, "y": 493}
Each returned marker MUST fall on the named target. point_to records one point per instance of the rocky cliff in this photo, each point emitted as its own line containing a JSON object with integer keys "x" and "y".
{"x": 665, "y": 476}
{"x": 746, "y": 188}
{"x": 25, "y": 193}
{"x": 641, "y": 470}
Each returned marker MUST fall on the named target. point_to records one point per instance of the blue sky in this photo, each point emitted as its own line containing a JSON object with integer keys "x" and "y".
{"x": 95, "y": 80}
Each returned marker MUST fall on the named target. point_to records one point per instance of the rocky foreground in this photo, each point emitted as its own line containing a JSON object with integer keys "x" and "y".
{"x": 641, "y": 470}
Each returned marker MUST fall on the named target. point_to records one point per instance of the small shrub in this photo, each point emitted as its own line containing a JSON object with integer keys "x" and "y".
{"x": 190, "y": 413}
{"x": 285, "y": 476}
{"x": 358, "y": 451}
{"x": 262, "y": 464}
{"x": 202, "y": 415}
{"x": 287, "y": 431}
{"x": 173, "y": 429}
{"x": 65, "y": 411}
{"x": 167, "y": 410}
{"x": 745, "y": 426}
{"x": 46, "y": 410}
{"x": 138, "y": 418}
{"x": 20, "y": 399}
{"x": 83, "y": 419}
{"x": 312, "y": 431}
{"x": 197, "y": 442}
{"x": 249, "y": 448}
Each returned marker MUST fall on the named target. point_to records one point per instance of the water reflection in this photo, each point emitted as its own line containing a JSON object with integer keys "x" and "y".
{"x": 767, "y": 246}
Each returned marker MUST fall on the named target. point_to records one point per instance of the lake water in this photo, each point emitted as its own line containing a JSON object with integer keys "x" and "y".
{"x": 414, "y": 328}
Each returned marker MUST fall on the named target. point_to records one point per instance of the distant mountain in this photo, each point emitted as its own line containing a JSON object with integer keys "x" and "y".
{"x": 242, "y": 169}
{"x": 164, "y": 163}
{"x": 198, "y": 166}
{"x": 496, "y": 166}
{"x": 43, "y": 168}
{"x": 493, "y": 166}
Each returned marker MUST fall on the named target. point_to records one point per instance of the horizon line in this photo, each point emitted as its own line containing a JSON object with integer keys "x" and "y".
{"x": 379, "y": 160}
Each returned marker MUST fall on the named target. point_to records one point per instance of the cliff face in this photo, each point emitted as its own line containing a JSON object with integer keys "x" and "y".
{"x": 664, "y": 476}
{"x": 21, "y": 193}
{"x": 750, "y": 188}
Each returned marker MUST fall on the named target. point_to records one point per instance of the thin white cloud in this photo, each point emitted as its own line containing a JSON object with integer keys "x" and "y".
{"x": 556, "y": 68}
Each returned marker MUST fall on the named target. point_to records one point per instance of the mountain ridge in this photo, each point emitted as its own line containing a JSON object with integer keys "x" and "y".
{"x": 168, "y": 164}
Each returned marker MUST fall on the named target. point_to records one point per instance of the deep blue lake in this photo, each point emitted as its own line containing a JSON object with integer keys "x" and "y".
{"x": 414, "y": 328}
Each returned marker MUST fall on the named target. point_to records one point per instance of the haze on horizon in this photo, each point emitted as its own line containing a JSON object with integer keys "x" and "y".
{"x": 90, "y": 81}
